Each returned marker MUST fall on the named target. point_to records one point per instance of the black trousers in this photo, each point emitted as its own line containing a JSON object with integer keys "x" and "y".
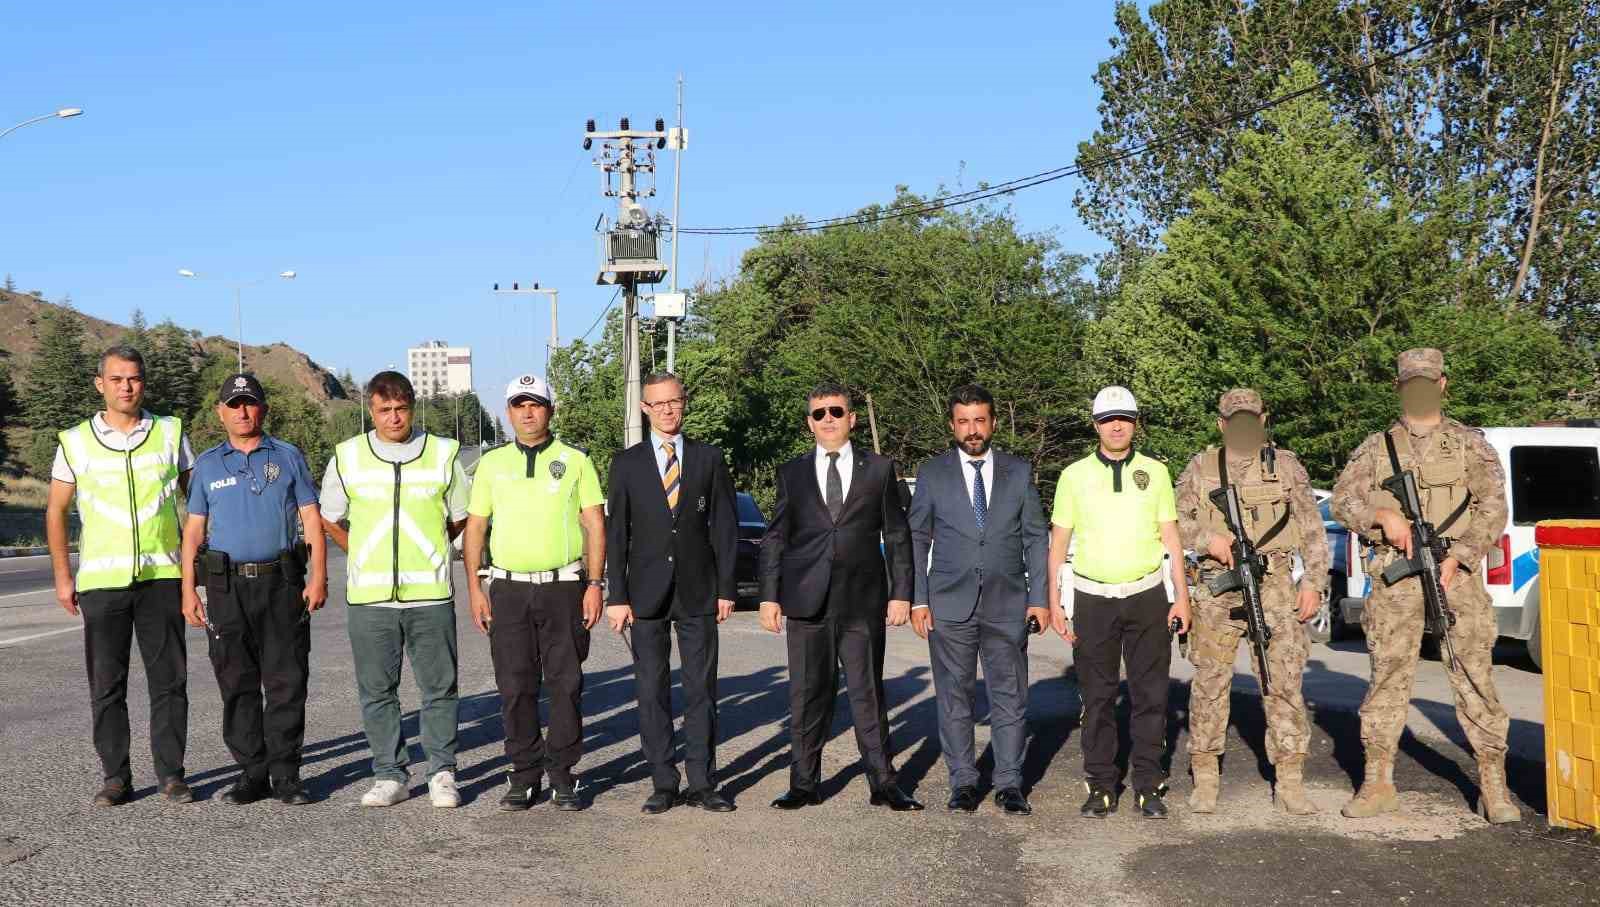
{"x": 152, "y": 611}
{"x": 1112, "y": 630}
{"x": 260, "y": 638}
{"x": 817, "y": 648}
{"x": 652, "y": 677}
{"x": 538, "y": 641}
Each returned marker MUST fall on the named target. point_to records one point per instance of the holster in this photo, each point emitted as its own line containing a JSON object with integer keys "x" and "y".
{"x": 215, "y": 567}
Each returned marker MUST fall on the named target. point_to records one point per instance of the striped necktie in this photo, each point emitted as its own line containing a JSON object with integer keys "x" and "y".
{"x": 669, "y": 476}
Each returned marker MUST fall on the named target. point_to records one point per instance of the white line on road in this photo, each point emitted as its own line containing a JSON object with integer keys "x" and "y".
{"x": 29, "y": 592}
{"x": 10, "y": 642}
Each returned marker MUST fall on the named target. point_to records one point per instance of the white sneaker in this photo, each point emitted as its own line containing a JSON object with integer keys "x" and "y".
{"x": 385, "y": 792}
{"x": 442, "y": 790}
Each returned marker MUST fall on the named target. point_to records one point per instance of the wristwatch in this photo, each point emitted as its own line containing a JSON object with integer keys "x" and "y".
{"x": 597, "y": 583}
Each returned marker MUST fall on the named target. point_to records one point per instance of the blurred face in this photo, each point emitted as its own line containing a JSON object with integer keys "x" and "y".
{"x": 391, "y": 419}
{"x": 1116, "y": 434}
{"x": 242, "y": 417}
{"x": 121, "y": 385}
{"x": 663, "y": 404}
{"x": 830, "y": 421}
{"x": 529, "y": 418}
{"x": 972, "y": 424}
{"x": 1422, "y": 398}
{"x": 1243, "y": 431}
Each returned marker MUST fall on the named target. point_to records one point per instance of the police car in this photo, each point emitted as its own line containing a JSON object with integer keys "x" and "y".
{"x": 1552, "y": 473}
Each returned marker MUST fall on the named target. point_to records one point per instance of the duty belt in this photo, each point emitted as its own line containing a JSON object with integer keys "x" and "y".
{"x": 1117, "y": 590}
{"x": 262, "y": 568}
{"x": 569, "y": 573}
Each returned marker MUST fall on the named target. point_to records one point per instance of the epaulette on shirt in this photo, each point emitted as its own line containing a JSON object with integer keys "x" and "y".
{"x": 215, "y": 448}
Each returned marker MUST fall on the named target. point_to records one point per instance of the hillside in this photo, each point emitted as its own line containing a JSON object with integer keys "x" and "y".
{"x": 21, "y": 321}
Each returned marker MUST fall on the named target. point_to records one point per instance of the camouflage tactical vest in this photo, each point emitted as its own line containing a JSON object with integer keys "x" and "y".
{"x": 1441, "y": 471}
{"x": 1263, "y": 500}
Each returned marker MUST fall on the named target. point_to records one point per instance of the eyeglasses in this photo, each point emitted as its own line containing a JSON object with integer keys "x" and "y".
{"x": 248, "y": 473}
{"x": 835, "y": 411}
{"x": 237, "y": 402}
{"x": 661, "y": 406}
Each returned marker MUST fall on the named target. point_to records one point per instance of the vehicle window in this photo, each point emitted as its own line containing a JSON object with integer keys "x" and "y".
{"x": 748, "y": 511}
{"x": 1554, "y": 483}
{"x": 1325, "y": 509}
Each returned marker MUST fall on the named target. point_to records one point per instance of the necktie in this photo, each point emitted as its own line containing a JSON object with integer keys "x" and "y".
{"x": 980, "y": 499}
{"x": 669, "y": 476}
{"x": 835, "y": 495}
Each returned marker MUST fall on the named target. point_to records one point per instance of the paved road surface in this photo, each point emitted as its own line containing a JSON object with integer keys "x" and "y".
{"x": 55, "y": 848}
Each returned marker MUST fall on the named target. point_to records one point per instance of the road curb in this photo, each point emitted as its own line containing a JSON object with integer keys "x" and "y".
{"x": 29, "y": 552}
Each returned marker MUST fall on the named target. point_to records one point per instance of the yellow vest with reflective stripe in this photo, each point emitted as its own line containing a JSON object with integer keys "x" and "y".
{"x": 127, "y": 502}
{"x": 399, "y": 540}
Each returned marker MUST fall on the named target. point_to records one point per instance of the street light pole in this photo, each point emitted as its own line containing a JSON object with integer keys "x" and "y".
{"x": 516, "y": 290}
{"x": 238, "y": 307}
{"x": 61, "y": 114}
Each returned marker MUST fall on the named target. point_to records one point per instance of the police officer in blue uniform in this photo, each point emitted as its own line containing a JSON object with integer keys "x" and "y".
{"x": 247, "y": 498}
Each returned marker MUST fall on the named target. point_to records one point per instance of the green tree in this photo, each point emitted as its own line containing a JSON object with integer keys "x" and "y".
{"x": 137, "y": 334}
{"x": 171, "y": 384}
{"x": 59, "y": 392}
{"x": 10, "y": 285}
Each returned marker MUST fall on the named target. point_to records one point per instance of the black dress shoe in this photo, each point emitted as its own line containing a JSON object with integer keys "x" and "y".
{"x": 1099, "y": 804}
{"x": 176, "y": 791}
{"x": 519, "y": 797}
{"x": 1013, "y": 802}
{"x": 894, "y": 798}
{"x": 794, "y": 799}
{"x": 1151, "y": 805}
{"x": 659, "y": 802}
{"x": 566, "y": 799}
{"x": 113, "y": 793}
{"x": 964, "y": 798}
{"x": 290, "y": 792}
{"x": 710, "y": 800}
{"x": 246, "y": 790}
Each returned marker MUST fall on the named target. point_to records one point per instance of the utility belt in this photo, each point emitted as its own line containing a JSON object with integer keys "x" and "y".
{"x": 570, "y": 573}
{"x": 218, "y": 568}
{"x": 1117, "y": 590}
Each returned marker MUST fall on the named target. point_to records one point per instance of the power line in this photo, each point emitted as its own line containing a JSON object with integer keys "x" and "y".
{"x": 601, "y": 317}
{"x": 1081, "y": 166}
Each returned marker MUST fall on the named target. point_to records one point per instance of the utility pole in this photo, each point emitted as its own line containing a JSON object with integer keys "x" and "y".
{"x": 677, "y": 140}
{"x": 628, "y": 246}
{"x": 555, "y": 340}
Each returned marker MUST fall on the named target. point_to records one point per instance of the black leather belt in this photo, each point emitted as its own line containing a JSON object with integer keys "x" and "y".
{"x": 251, "y": 571}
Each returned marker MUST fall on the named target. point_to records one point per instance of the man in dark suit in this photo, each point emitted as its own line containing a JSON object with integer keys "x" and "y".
{"x": 823, "y": 570}
{"x": 978, "y": 511}
{"x": 672, "y": 536}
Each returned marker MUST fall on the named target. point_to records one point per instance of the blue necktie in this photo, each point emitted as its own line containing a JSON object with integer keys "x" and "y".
{"x": 980, "y": 500}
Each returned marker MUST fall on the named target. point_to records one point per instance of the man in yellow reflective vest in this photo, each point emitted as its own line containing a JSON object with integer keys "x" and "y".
{"x": 125, "y": 467}
{"x": 404, "y": 496}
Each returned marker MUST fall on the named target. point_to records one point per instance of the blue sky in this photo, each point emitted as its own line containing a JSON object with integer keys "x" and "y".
{"x": 403, "y": 157}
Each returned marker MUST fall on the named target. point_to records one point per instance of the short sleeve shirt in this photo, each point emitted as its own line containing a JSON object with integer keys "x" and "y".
{"x": 119, "y": 440}
{"x": 533, "y": 497}
{"x": 251, "y": 500}
{"x": 1115, "y": 511}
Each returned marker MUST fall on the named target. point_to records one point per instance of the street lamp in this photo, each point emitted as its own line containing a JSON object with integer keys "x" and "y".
{"x": 238, "y": 309}
{"x": 62, "y": 114}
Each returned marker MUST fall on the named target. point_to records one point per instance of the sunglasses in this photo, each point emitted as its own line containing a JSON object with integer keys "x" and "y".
{"x": 835, "y": 411}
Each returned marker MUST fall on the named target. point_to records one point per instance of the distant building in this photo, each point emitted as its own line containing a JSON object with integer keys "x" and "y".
{"x": 437, "y": 368}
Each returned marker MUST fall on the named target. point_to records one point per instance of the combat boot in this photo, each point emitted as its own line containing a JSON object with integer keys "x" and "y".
{"x": 1289, "y": 794}
{"x": 1377, "y": 794}
{"x": 1494, "y": 801}
{"x": 1203, "y": 799}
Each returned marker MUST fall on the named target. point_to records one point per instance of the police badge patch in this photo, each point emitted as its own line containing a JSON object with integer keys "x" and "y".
{"x": 557, "y": 469}
{"x": 272, "y": 472}
{"x": 1141, "y": 479}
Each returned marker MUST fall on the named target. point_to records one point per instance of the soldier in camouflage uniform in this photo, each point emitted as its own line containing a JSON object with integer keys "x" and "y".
{"x": 1281, "y": 518}
{"x": 1463, "y": 494}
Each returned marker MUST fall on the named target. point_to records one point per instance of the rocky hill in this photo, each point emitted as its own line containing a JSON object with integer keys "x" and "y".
{"x": 21, "y": 321}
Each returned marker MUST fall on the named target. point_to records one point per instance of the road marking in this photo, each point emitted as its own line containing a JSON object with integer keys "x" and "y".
{"x": 29, "y": 592}
{"x": 12, "y": 642}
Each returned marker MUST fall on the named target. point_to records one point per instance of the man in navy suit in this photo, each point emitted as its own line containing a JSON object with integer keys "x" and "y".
{"x": 823, "y": 571}
{"x": 978, "y": 511}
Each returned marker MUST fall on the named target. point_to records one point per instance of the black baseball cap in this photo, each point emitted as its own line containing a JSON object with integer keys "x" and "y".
{"x": 241, "y": 385}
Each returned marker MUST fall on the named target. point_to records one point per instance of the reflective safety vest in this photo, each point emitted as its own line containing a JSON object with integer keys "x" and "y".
{"x": 127, "y": 502}
{"x": 399, "y": 540}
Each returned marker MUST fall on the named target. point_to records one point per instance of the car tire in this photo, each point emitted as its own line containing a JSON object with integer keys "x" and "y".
{"x": 1536, "y": 648}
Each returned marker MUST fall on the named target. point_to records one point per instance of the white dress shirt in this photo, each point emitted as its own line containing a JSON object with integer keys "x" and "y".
{"x": 847, "y": 465}
{"x": 657, "y": 442}
{"x": 967, "y": 473}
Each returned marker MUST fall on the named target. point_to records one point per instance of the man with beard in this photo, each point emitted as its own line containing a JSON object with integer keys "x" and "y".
{"x": 984, "y": 577}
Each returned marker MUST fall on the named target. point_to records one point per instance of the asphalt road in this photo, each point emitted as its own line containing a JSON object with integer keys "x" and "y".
{"x": 54, "y": 847}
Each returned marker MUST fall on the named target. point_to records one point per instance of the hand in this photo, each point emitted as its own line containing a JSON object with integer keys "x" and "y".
{"x": 1220, "y": 548}
{"x": 1448, "y": 568}
{"x": 67, "y": 596}
{"x": 1058, "y": 622}
{"x": 1310, "y": 602}
{"x": 591, "y": 607}
{"x": 922, "y": 621}
{"x": 1042, "y": 615}
{"x": 1180, "y": 610}
{"x": 194, "y": 610}
{"x": 771, "y": 617}
{"x": 1396, "y": 530}
{"x": 899, "y": 613}
{"x": 724, "y": 609}
{"x": 620, "y": 616}
{"x": 482, "y": 612}
{"x": 316, "y": 593}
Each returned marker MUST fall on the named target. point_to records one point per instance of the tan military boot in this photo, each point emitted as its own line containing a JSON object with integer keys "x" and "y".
{"x": 1377, "y": 794}
{"x": 1289, "y": 795}
{"x": 1206, "y": 782}
{"x": 1494, "y": 801}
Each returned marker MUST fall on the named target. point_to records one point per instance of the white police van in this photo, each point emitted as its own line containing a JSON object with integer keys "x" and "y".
{"x": 1552, "y": 473}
